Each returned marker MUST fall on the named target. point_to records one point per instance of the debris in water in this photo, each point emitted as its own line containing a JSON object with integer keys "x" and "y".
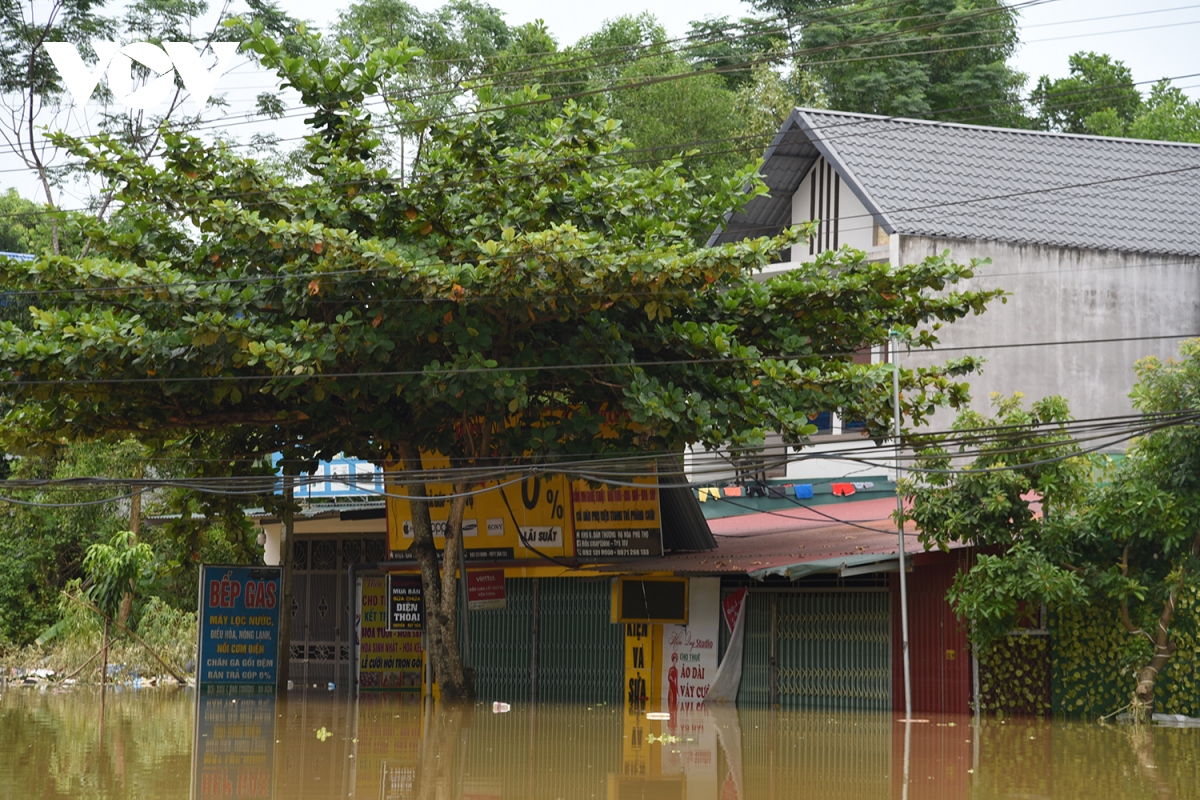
{"x": 323, "y": 734}
{"x": 500, "y": 708}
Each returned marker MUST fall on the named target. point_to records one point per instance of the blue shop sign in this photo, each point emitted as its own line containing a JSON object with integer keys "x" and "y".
{"x": 239, "y": 625}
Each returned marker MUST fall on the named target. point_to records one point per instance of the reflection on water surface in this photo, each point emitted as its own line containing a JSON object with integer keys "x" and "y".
{"x": 161, "y": 744}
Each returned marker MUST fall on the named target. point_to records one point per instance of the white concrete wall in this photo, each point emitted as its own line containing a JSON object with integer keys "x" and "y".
{"x": 307, "y": 527}
{"x": 1060, "y": 294}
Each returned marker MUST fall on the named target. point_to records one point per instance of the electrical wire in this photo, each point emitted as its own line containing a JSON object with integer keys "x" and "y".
{"x": 854, "y": 123}
{"x": 633, "y": 471}
{"x": 292, "y": 379}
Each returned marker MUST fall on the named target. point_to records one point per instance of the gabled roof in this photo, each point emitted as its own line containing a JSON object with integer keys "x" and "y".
{"x": 918, "y": 177}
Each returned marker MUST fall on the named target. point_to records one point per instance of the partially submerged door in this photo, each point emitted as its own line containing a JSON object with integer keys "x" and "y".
{"x": 834, "y": 650}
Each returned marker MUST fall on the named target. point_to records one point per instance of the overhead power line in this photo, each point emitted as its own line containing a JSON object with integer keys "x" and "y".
{"x": 294, "y": 379}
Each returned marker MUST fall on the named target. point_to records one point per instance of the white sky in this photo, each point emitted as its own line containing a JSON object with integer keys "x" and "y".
{"x": 1167, "y": 49}
{"x": 1155, "y": 38}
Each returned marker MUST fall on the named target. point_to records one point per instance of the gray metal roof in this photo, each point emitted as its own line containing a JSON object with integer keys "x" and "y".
{"x": 918, "y": 177}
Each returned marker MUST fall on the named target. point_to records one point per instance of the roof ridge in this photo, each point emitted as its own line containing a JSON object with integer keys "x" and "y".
{"x": 996, "y": 129}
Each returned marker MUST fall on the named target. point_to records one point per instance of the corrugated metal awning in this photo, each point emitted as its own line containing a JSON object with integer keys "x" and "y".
{"x": 844, "y": 566}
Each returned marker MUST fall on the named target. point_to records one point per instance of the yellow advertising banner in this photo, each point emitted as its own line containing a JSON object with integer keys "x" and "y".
{"x": 538, "y": 515}
{"x": 387, "y": 660}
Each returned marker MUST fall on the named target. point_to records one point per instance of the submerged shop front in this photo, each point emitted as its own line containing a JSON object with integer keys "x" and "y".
{"x": 624, "y": 594}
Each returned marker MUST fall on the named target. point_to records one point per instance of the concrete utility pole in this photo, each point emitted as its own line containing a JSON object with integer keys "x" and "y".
{"x": 895, "y": 356}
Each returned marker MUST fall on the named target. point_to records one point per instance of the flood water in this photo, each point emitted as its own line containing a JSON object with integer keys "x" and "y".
{"x": 163, "y": 744}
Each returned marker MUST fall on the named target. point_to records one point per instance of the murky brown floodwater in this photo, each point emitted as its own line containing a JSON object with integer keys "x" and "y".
{"x": 150, "y": 744}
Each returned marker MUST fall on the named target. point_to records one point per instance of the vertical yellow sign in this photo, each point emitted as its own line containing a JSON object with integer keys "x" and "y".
{"x": 639, "y": 670}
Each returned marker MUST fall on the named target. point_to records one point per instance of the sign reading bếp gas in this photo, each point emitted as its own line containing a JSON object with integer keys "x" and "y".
{"x": 239, "y": 625}
{"x": 543, "y": 513}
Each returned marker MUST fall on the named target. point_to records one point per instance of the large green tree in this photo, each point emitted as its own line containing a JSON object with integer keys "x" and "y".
{"x": 932, "y": 59}
{"x": 515, "y": 294}
{"x": 1118, "y": 535}
{"x": 1097, "y": 94}
{"x": 1100, "y": 97}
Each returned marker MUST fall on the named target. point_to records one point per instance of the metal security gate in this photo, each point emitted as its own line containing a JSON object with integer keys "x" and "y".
{"x": 581, "y": 653}
{"x": 500, "y": 645}
{"x": 578, "y": 655}
{"x": 321, "y": 616}
{"x": 834, "y": 650}
{"x": 755, "y": 688}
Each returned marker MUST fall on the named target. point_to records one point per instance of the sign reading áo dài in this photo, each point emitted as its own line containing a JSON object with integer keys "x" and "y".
{"x": 689, "y": 652}
{"x": 239, "y": 625}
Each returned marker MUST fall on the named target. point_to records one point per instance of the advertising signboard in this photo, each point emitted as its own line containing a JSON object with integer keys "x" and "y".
{"x": 238, "y": 625}
{"x": 536, "y": 515}
{"x": 387, "y": 660}
{"x": 405, "y": 603}
{"x": 485, "y": 590}
{"x": 689, "y": 652}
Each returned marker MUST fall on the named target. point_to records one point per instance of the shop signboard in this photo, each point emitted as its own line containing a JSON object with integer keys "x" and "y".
{"x": 387, "y": 660}
{"x": 485, "y": 590}
{"x": 689, "y": 652}
{"x": 405, "y": 603}
{"x": 239, "y": 625}
{"x": 534, "y": 516}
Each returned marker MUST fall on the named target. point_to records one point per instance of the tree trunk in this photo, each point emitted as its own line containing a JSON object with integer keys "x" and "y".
{"x": 135, "y": 527}
{"x": 1142, "y": 703}
{"x": 104, "y": 656}
{"x": 287, "y": 522}
{"x": 438, "y": 585}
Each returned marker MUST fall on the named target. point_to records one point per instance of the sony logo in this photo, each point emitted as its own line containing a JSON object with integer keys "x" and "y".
{"x": 117, "y": 61}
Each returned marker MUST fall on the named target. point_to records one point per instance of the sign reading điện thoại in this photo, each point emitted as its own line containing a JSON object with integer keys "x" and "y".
{"x": 535, "y": 516}
{"x": 388, "y": 658}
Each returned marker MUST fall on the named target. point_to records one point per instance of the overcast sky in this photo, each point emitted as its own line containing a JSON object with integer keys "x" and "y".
{"x": 1165, "y": 47}
{"x": 1155, "y": 38}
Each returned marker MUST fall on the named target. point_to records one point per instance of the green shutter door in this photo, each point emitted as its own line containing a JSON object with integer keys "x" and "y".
{"x": 835, "y": 650}
{"x": 754, "y": 690}
{"x": 500, "y": 645}
{"x": 580, "y": 652}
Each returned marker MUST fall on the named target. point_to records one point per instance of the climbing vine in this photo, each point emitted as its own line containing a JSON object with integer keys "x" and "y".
{"x": 1095, "y": 661}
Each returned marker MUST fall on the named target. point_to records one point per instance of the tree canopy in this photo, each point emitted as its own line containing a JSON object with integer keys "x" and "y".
{"x": 512, "y": 296}
{"x": 1099, "y": 97}
{"x": 931, "y": 59}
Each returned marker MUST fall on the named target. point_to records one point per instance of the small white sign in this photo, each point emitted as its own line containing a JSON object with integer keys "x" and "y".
{"x": 470, "y": 527}
{"x": 495, "y": 526}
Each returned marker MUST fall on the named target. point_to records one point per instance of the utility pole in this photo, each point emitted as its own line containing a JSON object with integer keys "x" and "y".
{"x": 894, "y": 336}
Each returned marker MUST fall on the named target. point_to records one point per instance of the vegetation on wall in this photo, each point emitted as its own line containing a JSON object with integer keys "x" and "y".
{"x": 1123, "y": 536}
{"x": 1095, "y": 663}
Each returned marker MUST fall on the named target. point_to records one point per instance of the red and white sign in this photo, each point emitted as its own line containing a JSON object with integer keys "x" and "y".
{"x": 732, "y": 607}
{"x": 689, "y": 651}
{"x": 485, "y": 589}
{"x": 728, "y": 675}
